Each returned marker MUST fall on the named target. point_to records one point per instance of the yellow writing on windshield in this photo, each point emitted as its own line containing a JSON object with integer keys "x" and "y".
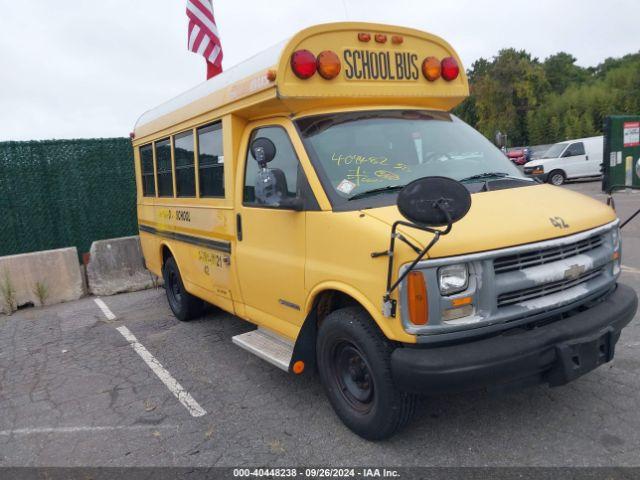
{"x": 387, "y": 175}
{"x": 355, "y": 159}
{"x": 360, "y": 176}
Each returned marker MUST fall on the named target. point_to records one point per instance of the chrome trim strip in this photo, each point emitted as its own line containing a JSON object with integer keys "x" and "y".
{"x": 286, "y": 303}
{"x": 576, "y": 237}
{"x": 181, "y": 237}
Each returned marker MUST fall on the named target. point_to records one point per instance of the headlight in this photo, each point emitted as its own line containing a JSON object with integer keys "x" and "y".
{"x": 453, "y": 278}
{"x": 615, "y": 236}
{"x": 617, "y": 260}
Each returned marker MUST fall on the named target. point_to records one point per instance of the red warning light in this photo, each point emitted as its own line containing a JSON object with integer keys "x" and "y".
{"x": 303, "y": 64}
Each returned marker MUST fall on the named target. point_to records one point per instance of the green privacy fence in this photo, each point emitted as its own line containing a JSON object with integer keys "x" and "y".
{"x": 64, "y": 193}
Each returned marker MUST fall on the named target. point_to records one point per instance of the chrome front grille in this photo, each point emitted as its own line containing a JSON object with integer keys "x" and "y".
{"x": 534, "y": 258}
{"x": 520, "y": 284}
{"x": 527, "y": 294}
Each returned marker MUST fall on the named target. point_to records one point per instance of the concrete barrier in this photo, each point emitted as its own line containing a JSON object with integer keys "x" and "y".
{"x": 47, "y": 277}
{"x": 116, "y": 265}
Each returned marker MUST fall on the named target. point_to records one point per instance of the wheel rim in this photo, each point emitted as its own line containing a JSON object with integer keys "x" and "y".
{"x": 352, "y": 374}
{"x": 174, "y": 287}
{"x": 557, "y": 179}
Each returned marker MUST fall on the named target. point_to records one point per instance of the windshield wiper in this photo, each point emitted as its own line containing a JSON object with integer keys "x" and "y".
{"x": 374, "y": 191}
{"x": 483, "y": 176}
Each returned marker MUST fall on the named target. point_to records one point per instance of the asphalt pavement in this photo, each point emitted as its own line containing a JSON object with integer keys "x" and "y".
{"x": 78, "y": 389}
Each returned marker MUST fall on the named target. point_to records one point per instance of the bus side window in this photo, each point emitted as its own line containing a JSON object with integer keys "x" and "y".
{"x": 211, "y": 160}
{"x": 285, "y": 166}
{"x": 163, "y": 167}
{"x": 184, "y": 155}
{"x": 146, "y": 170}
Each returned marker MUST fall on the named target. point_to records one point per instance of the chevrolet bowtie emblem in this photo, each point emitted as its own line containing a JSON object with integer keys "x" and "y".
{"x": 574, "y": 271}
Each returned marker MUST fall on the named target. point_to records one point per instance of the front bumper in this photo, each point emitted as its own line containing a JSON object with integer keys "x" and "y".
{"x": 541, "y": 176}
{"x": 555, "y": 353}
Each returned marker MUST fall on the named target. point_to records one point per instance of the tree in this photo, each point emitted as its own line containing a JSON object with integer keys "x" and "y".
{"x": 505, "y": 91}
{"x": 541, "y": 103}
{"x": 555, "y": 131}
{"x": 572, "y": 128}
{"x": 561, "y": 71}
{"x": 588, "y": 129}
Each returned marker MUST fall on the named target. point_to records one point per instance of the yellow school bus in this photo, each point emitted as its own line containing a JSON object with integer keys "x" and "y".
{"x": 322, "y": 191}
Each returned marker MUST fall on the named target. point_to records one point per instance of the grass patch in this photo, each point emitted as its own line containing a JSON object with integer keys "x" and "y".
{"x": 8, "y": 293}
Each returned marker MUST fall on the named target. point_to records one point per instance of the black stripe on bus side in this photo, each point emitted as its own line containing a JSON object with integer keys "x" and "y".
{"x": 181, "y": 237}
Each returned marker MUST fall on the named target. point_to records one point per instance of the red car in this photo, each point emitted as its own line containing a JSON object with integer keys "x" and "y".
{"x": 517, "y": 156}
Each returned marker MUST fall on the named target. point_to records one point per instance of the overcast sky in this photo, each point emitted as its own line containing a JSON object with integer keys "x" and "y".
{"x": 89, "y": 68}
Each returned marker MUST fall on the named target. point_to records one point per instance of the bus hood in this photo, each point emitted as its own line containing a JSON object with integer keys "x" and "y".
{"x": 511, "y": 217}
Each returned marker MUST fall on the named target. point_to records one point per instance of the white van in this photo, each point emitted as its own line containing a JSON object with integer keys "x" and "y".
{"x": 580, "y": 158}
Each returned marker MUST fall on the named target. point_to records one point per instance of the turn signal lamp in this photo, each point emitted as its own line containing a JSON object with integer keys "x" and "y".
{"x": 617, "y": 263}
{"x": 303, "y": 64}
{"x": 459, "y": 302}
{"x": 328, "y": 65}
{"x": 417, "y": 299}
{"x": 450, "y": 69}
{"x": 431, "y": 68}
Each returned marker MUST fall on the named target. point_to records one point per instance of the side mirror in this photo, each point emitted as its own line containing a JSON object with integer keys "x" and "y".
{"x": 427, "y": 202}
{"x": 263, "y": 150}
{"x": 434, "y": 201}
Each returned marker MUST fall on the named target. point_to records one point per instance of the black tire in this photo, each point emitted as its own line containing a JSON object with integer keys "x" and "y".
{"x": 354, "y": 366}
{"x": 184, "y": 305}
{"x": 557, "y": 178}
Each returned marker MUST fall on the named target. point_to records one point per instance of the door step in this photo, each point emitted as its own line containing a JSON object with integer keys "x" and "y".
{"x": 268, "y": 346}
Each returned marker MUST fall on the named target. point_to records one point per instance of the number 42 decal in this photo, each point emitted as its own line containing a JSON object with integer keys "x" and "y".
{"x": 558, "y": 222}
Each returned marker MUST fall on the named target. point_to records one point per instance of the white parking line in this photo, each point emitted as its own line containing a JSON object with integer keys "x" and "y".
{"x": 630, "y": 270}
{"x": 171, "y": 383}
{"x": 34, "y": 431}
{"x": 103, "y": 306}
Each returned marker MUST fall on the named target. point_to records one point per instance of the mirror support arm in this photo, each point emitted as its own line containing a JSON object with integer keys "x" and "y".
{"x": 389, "y": 305}
{"x": 399, "y": 236}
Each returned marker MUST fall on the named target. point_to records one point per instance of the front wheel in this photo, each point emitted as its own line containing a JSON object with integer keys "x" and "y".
{"x": 354, "y": 366}
{"x": 184, "y": 305}
{"x": 556, "y": 178}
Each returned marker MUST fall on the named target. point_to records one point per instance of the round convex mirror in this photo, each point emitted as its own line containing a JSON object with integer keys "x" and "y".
{"x": 425, "y": 201}
{"x": 263, "y": 150}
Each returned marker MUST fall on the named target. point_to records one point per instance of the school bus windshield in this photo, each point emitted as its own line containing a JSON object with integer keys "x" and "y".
{"x": 380, "y": 151}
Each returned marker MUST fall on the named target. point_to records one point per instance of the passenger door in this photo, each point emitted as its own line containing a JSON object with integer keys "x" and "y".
{"x": 575, "y": 161}
{"x": 270, "y": 251}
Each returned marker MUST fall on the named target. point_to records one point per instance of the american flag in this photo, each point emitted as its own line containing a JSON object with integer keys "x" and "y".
{"x": 203, "y": 35}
